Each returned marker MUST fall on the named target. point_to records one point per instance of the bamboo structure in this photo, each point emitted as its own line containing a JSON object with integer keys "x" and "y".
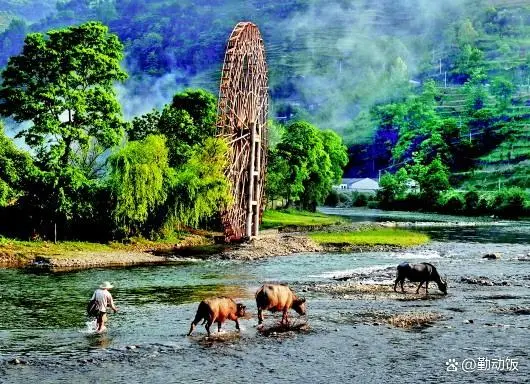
{"x": 242, "y": 120}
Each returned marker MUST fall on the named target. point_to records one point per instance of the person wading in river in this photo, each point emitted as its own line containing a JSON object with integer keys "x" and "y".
{"x": 103, "y": 299}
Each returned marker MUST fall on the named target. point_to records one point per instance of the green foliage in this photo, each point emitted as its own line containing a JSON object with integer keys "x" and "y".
{"x": 433, "y": 178}
{"x": 304, "y": 165}
{"x": 471, "y": 199}
{"x": 309, "y": 175}
{"x": 392, "y": 187}
{"x": 469, "y": 59}
{"x": 510, "y": 202}
{"x": 145, "y": 125}
{"x": 503, "y": 89}
{"x": 201, "y": 106}
{"x": 188, "y": 121}
{"x": 137, "y": 175}
{"x": 337, "y": 152}
{"x": 476, "y": 94}
{"x": 452, "y": 202}
{"x": 371, "y": 236}
{"x": 63, "y": 83}
{"x": 15, "y": 166}
{"x": 291, "y": 217}
{"x": 275, "y": 132}
{"x": 277, "y": 169}
{"x": 200, "y": 189}
{"x": 181, "y": 132}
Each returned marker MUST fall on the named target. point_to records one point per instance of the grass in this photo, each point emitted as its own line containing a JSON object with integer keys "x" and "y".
{"x": 277, "y": 219}
{"x": 372, "y": 236}
{"x": 27, "y": 250}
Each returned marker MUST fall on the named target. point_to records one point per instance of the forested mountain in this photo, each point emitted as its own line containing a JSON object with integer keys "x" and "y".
{"x": 334, "y": 63}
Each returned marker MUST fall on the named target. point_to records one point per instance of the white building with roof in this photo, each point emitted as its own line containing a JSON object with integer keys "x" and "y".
{"x": 361, "y": 185}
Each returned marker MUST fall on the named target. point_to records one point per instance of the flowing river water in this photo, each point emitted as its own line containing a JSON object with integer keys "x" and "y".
{"x": 484, "y": 318}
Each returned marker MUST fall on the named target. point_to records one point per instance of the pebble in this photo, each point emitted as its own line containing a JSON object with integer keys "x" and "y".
{"x": 492, "y": 256}
{"x": 17, "y": 361}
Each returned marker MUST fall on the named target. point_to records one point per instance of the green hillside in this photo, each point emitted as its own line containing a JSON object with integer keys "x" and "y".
{"x": 329, "y": 63}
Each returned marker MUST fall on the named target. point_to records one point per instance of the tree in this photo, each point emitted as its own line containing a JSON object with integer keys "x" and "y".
{"x": 199, "y": 189}
{"x": 433, "y": 178}
{"x": 181, "y": 132}
{"x": 503, "y": 89}
{"x": 469, "y": 59}
{"x": 188, "y": 121}
{"x": 63, "y": 83}
{"x": 15, "y": 166}
{"x": 201, "y": 106}
{"x": 392, "y": 187}
{"x": 276, "y": 186}
{"x": 137, "y": 175}
{"x": 143, "y": 126}
{"x": 309, "y": 176}
{"x": 337, "y": 152}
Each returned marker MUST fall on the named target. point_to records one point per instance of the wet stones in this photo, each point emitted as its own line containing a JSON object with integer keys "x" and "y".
{"x": 17, "y": 361}
{"x": 492, "y": 256}
{"x": 516, "y": 310}
{"x": 132, "y": 347}
{"x": 483, "y": 281}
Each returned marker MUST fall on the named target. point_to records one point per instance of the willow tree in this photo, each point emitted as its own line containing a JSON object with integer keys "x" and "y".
{"x": 137, "y": 175}
{"x": 199, "y": 189}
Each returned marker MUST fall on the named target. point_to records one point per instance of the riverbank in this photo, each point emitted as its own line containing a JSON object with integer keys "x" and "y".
{"x": 271, "y": 243}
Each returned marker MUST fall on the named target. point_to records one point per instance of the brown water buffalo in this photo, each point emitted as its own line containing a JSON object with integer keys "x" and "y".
{"x": 276, "y": 297}
{"x": 217, "y": 310}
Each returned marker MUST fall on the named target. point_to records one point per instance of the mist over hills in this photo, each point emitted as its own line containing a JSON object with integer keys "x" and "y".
{"x": 327, "y": 59}
{"x": 329, "y": 62}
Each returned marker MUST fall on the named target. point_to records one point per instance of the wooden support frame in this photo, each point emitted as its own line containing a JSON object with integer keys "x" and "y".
{"x": 242, "y": 120}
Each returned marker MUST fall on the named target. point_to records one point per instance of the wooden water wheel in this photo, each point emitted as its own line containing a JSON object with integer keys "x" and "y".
{"x": 242, "y": 120}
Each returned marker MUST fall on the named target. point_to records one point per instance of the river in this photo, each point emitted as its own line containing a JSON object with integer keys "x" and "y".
{"x": 43, "y": 324}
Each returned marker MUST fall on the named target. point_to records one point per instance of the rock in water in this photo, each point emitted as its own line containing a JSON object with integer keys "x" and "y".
{"x": 492, "y": 256}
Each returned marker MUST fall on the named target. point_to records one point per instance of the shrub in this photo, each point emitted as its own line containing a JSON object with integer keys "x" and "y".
{"x": 333, "y": 198}
{"x": 359, "y": 199}
{"x": 471, "y": 201}
{"x": 509, "y": 202}
{"x": 452, "y": 202}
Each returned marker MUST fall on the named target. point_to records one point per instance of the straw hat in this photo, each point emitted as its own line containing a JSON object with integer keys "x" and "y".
{"x": 106, "y": 285}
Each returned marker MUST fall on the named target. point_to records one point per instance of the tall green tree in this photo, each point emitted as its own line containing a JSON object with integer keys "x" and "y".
{"x": 433, "y": 178}
{"x": 337, "y": 152}
{"x": 62, "y": 83}
{"x": 276, "y": 186}
{"x": 137, "y": 175}
{"x": 309, "y": 176}
{"x": 201, "y": 106}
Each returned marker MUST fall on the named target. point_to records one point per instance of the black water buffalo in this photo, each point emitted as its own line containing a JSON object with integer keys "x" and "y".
{"x": 422, "y": 272}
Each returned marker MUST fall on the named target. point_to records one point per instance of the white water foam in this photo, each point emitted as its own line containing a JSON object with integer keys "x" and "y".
{"x": 90, "y": 327}
{"x": 349, "y": 272}
{"x": 416, "y": 255}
